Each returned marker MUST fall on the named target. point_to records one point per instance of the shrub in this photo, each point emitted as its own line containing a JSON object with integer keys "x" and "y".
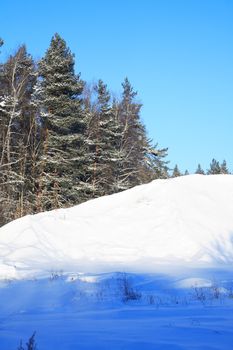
{"x": 127, "y": 289}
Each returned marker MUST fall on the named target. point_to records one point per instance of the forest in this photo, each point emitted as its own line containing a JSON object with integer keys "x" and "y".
{"x": 64, "y": 141}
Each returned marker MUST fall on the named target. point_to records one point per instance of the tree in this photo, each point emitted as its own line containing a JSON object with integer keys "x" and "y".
{"x": 215, "y": 168}
{"x": 134, "y": 142}
{"x": 120, "y": 169}
{"x": 186, "y": 172}
{"x": 16, "y": 119}
{"x": 156, "y": 166}
{"x": 176, "y": 171}
{"x": 61, "y": 144}
{"x": 139, "y": 160}
{"x": 63, "y": 160}
{"x": 122, "y": 155}
{"x": 199, "y": 170}
{"x": 103, "y": 135}
{"x": 224, "y": 168}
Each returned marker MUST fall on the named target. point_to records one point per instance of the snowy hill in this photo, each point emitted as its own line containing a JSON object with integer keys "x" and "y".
{"x": 181, "y": 221}
{"x": 151, "y": 235}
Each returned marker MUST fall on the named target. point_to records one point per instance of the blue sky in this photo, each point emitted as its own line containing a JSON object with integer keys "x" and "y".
{"x": 178, "y": 54}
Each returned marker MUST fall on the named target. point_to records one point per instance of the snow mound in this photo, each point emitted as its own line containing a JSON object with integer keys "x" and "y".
{"x": 185, "y": 221}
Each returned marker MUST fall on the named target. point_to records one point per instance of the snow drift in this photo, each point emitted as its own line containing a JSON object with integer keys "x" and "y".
{"x": 185, "y": 221}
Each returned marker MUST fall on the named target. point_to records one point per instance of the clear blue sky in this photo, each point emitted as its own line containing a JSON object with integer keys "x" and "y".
{"x": 178, "y": 54}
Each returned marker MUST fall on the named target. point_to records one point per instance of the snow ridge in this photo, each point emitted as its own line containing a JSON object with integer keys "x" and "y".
{"x": 181, "y": 221}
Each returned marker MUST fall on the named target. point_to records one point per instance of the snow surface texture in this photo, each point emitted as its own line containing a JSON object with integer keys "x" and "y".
{"x": 118, "y": 312}
{"x": 182, "y": 221}
{"x": 172, "y": 240}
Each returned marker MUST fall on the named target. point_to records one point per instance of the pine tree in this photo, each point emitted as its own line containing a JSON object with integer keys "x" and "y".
{"x": 176, "y": 171}
{"x": 186, "y": 172}
{"x": 215, "y": 168}
{"x": 64, "y": 124}
{"x": 199, "y": 170}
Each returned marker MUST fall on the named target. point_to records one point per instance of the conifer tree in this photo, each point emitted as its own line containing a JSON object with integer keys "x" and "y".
{"x": 186, "y": 172}
{"x": 155, "y": 165}
{"x": 134, "y": 139}
{"x": 215, "y": 168}
{"x": 141, "y": 161}
{"x": 130, "y": 156}
{"x": 176, "y": 171}
{"x": 224, "y": 168}
{"x": 120, "y": 169}
{"x": 63, "y": 159}
{"x": 103, "y": 134}
{"x": 199, "y": 170}
{"x": 58, "y": 145}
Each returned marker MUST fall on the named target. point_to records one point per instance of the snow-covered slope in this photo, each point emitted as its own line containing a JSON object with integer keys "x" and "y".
{"x": 182, "y": 221}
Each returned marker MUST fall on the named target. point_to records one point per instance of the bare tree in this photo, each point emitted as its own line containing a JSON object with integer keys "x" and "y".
{"x": 16, "y": 120}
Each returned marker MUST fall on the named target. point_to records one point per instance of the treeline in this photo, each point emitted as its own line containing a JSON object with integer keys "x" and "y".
{"x": 63, "y": 141}
{"x": 215, "y": 168}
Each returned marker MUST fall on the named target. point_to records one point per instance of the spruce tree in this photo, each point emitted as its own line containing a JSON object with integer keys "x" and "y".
{"x": 134, "y": 139}
{"x": 215, "y": 168}
{"x": 104, "y": 135}
{"x": 155, "y": 164}
{"x": 176, "y": 171}
{"x": 63, "y": 160}
{"x": 224, "y": 168}
{"x": 141, "y": 161}
{"x": 121, "y": 164}
{"x": 199, "y": 170}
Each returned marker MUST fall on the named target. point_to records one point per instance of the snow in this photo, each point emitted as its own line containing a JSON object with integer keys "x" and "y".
{"x": 171, "y": 241}
{"x": 91, "y": 313}
{"x": 186, "y": 220}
